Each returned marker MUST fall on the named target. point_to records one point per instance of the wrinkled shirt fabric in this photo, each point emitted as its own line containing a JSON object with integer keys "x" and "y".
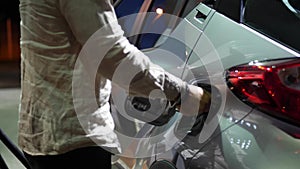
{"x": 53, "y": 33}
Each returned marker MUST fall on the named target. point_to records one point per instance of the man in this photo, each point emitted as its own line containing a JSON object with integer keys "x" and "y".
{"x": 53, "y": 33}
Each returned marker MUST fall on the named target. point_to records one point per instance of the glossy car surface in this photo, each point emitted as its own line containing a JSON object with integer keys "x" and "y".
{"x": 234, "y": 45}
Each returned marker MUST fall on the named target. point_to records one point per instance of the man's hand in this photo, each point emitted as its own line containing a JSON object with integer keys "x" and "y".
{"x": 196, "y": 101}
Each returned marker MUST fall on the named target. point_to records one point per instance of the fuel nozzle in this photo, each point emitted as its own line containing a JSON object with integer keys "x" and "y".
{"x": 210, "y": 102}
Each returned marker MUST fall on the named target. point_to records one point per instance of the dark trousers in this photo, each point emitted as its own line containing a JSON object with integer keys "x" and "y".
{"x": 83, "y": 158}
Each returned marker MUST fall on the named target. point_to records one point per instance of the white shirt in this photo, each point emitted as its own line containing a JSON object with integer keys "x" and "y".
{"x": 53, "y": 33}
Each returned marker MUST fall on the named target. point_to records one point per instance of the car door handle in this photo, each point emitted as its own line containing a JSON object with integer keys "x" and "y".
{"x": 200, "y": 15}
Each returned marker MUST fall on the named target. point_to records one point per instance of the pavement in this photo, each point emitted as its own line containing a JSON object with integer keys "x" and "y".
{"x": 9, "y": 102}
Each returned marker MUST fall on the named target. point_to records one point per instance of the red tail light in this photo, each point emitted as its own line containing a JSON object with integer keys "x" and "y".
{"x": 271, "y": 86}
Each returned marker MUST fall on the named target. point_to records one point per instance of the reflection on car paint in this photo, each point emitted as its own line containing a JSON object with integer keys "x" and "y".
{"x": 244, "y": 144}
{"x": 243, "y": 123}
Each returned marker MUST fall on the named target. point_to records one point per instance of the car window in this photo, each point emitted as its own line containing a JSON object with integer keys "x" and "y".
{"x": 159, "y": 21}
{"x": 230, "y": 8}
{"x": 275, "y": 19}
{"x": 125, "y": 8}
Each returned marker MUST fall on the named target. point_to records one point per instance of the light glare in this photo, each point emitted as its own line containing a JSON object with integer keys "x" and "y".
{"x": 159, "y": 11}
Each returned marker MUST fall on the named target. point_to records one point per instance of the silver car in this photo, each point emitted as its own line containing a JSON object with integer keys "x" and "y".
{"x": 246, "y": 52}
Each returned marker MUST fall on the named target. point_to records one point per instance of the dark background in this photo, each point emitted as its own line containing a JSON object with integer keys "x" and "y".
{"x": 9, "y": 43}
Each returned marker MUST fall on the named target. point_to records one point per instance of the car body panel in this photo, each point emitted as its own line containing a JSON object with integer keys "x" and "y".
{"x": 255, "y": 142}
{"x": 230, "y": 41}
{"x": 235, "y": 135}
{"x": 250, "y": 138}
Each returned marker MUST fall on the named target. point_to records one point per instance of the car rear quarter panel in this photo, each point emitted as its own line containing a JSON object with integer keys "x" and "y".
{"x": 250, "y": 138}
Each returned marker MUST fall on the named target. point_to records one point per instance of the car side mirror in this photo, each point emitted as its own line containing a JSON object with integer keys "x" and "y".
{"x": 293, "y": 6}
